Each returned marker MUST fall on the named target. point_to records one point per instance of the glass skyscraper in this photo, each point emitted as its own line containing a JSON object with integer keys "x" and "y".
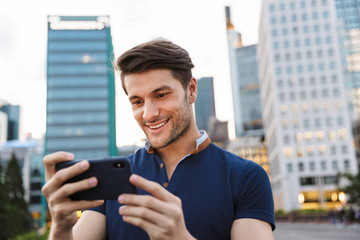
{"x": 245, "y": 83}
{"x": 80, "y": 87}
{"x": 205, "y": 103}
{"x": 348, "y": 12}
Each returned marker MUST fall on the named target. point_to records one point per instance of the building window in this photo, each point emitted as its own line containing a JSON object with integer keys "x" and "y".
{"x": 328, "y": 121}
{"x": 292, "y": 5}
{"x": 316, "y": 28}
{"x": 306, "y": 123}
{"x": 307, "y": 42}
{"x": 334, "y": 78}
{"x": 347, "y": 164}
{"x": 304, "y": 17}
{"x": 276, "y": 45}
{"x": 317, "y": 122}
{"x": 273, "y": 20}
{"x": 288, "y": 57}
{"x": 344, "y": 149}
{"x": 335, "y": 165}
{"x": 332, "y": 65}
{"x": 301, "y": 166}
{"x": 303, "y": 95}
{"x": 274, "y": 33}
{"x": 320, "y": 53}
{"x": 308, "y": 54}
{"x": 315, "y": 15}
{"x": 312, "y": 166}
{"x": 314, "y": 94}
{"x": 323, "y": 79}
{"x": 340, "y": 121}
{"x": 281, "y": 96}
{"x": 278, "y": 70}
{"x": 286, "y": 139}
{"x": 327, "y": 27}
{"x": 286, "y": 44}
{"x": 323, "y": 165}
{"x": 277, "y": 57}
{"x": 336, "y": 92}
{"x": 310, "y": 68}
{"x": 280, "y": 83}
{"x": 328, "y": 39}
{"x": 298, "y": 55}
{"x": 289, "y": 70}
{"x": 325, "y": 93}
{"x": 297, "y": 43}
{"x": 321, "y": 66}
{"x": 283, "y": 19}
{"x": 303, "y": 4}
{"x": 282, "y": 7}
{"x": 306, "y": 29}
{"x": 325, "y": 14}
{"x": 333, "y": 150}
{"x": 289, "y": 167}
{"x": 318, "y": 41}
{"x": 293, "y": 18}
{"x": 272, "y": 8}
{"x": 284, "y": 31}
{"x": 331, "y": 52}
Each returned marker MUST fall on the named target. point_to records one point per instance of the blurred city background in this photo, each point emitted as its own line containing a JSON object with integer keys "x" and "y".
{"x": 278, "y": 80}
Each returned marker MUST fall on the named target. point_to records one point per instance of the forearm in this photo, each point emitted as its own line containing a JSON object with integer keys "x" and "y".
{"x": 59, "y": 233}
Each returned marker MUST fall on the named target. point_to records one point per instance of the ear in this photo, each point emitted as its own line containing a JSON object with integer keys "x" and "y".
{"x": 192, "y": 90}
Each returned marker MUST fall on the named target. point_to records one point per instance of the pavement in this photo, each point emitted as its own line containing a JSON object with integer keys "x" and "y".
{"x": 316, "y": 231}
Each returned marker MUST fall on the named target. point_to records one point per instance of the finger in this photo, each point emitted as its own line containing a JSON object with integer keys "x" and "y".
{"x": 70, "y": 188}
{"x": 146, "y": 201}
{"x": 151, "y": 187}
{"x": 54, "y": 183}
{"x": 150, "y": 228}
{"x": 52, "y": 159}
{"x": 146, "y": 214}
{"x": 72, "y": 206}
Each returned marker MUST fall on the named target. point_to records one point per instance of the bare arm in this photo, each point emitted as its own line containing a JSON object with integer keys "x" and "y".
{"x": 62, "y": 209}
{"x": 91, "y": 225}
{"x": 251, "y": 229}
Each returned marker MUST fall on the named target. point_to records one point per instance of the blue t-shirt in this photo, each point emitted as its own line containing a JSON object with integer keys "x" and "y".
{"x": 216, "y": 187}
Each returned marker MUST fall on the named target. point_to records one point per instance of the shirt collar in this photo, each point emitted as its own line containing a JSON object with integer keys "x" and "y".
{"x": 201, "y": 143}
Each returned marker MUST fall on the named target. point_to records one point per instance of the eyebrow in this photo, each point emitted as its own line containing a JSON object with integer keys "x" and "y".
{"x": 161, "y": 88}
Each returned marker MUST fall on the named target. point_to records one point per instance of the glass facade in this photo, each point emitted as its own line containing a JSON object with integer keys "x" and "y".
{"x": 80, "y": 87}
{"x": 205, "y": 105}
{"x": 348, "y": 12}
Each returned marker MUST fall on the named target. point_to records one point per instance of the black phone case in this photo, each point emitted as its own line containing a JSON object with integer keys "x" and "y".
{"x": 112, "y": 179}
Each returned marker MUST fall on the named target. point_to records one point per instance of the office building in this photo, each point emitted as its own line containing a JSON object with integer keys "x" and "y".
{"x": 348, "y": 12}
{"x": 3, "y": 127}
{"x": 80, "y": 87}
{"x": 29, "y": 155}
{"x": 305, "y": 114}
{"x": 205, "y": 103}
{"x": 13, "y": 120}
{"x": 244, "y": 82}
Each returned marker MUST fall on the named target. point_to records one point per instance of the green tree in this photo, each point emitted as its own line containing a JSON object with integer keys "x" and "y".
{"x": 17, "y": 215}
{"x": 3, "y": 206}
{"x": 353, "y": 188}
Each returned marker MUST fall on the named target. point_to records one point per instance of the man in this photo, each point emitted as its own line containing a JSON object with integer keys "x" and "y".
{"x": 188, "y": 187}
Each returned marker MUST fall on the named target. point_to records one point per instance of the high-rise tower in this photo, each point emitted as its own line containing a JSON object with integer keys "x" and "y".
{"x": 80, "y": 87}
{"x": 306, "y": 118}
{"x": 205, "y": 103}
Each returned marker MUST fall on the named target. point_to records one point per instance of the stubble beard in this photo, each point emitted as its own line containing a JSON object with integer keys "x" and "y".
{"x": 179, "y": 128}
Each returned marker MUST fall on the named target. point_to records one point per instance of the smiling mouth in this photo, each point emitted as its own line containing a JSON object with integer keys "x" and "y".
{"x": 158, "y": 125}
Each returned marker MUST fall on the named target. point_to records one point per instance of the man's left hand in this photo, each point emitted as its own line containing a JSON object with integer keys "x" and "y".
{"x": 160, "y": 215}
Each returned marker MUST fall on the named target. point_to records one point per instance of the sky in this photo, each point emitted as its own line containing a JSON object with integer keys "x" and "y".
{"x": 196, "y": 25}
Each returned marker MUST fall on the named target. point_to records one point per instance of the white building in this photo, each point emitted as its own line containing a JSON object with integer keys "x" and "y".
{"x": 306, "y": 118}
{"x": 3, "y": 127}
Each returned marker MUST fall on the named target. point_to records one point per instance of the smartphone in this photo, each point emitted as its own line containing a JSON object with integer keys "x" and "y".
{"x": 113, "y": 178}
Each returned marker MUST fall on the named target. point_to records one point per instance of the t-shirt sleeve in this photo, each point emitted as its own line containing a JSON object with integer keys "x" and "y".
{"x": 253, "y": 195}
{"x": 100, "y": 209}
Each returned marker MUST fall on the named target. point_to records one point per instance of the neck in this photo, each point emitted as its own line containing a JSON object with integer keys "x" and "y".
{"x": 172, "y": 154}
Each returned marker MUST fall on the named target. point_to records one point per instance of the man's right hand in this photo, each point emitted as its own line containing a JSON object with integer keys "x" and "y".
{"x": 62, "y": 209}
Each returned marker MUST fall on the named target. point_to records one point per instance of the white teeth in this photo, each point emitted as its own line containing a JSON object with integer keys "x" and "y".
{"x": 157, "y": 126}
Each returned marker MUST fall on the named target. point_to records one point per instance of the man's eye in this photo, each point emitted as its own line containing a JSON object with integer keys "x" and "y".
{"x": 160, "y": 95}
{"x": 137, "y": 102}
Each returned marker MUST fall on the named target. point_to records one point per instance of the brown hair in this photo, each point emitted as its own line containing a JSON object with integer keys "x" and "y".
{"x": 157, "y": 54}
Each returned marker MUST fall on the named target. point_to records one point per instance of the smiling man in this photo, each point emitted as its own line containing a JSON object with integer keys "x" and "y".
{"x": 188, "y": 187}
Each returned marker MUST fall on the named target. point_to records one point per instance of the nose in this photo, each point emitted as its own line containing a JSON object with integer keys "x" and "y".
{"x": 150, "y": 111}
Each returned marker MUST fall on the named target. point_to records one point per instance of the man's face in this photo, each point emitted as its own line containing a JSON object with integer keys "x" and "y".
{"x": 160, "y": 105}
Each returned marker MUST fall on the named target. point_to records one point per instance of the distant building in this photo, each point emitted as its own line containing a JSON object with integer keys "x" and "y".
{"x": 252, "y": 148}
{"x": 13, "y": 120}
{"x": 305, "y": 112}
{"x": 356, "y": 134}
{"x": 3, "y": 127}
{"x": 348, "y": 12}
{"x": 80, "y": 87}
{"x": 205, "y": 103}
{"x": 218, "y": 132}
{"x": 245, "y": 83}
{"x": 29, "y": 155}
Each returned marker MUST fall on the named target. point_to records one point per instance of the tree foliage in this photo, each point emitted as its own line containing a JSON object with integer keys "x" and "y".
{"x": 14, "y": 217}
{"x": 353, "y": 188}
